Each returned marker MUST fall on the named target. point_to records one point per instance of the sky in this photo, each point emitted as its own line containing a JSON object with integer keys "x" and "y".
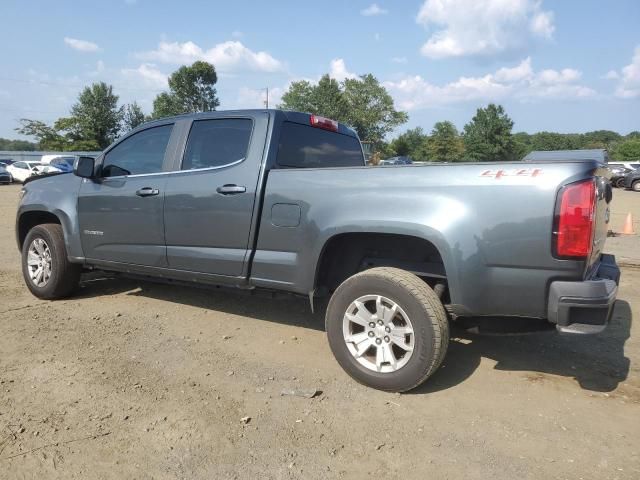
{"x": 555, "y": 65}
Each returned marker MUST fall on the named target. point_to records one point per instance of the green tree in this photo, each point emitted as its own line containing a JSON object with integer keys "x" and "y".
{"x": 95, "y": 117}
{"x": 300, "y": 97}
{"x": 360, "y": 102}
{"x": 132, "y": 116}
{"x": 327, "y": 97}
{"x": 556, "y": 141}
{"x": 371, "y": 111}
{"x": 93, "y": 124}
{"x": 17, "y": 145}
{"x": 46, "y": 136}
{"x": 191, "y": 89}
{"x": 445, "y": 144}
{"x": 601, "y": 139}
{"x": 627, "y": 151}
{"x": 635, "y": 135}
{"x": 412, "y": 143}
{"x": 487, "y": 137}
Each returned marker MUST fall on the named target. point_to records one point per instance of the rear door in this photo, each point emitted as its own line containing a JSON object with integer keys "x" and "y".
{"x": 210, "y": 199}
{"x": 121, "y": 211}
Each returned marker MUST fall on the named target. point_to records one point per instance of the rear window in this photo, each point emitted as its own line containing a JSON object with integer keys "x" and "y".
{"x": 303, "y": 146}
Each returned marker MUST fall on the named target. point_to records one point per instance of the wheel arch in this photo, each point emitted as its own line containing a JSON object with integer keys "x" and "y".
{"x": 38, "y": 215}
{"x": 346, "y": 253}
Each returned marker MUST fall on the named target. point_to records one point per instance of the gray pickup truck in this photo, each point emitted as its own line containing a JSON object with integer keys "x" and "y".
{"x": 284, "y": 201}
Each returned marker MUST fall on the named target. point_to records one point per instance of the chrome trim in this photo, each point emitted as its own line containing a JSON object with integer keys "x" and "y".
{"x": 174, "y": 171}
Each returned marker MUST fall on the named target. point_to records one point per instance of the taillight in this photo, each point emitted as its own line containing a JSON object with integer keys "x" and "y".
{"x": 322, "y": 122}
{"x": 573, "y": 226}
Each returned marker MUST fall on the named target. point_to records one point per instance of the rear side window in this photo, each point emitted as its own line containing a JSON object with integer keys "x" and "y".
{"x": 216, "y": 143}
{"x": 138, "y": 154}
{"x": 303, "y": 146}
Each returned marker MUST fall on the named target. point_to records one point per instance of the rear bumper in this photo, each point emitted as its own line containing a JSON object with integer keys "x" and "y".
{"x": 585, "y": 307}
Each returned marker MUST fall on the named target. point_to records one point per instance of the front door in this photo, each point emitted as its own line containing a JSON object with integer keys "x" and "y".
{"x": 121, "y": 212}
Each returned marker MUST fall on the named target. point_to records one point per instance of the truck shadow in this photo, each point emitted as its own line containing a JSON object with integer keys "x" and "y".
{"x": 596, "y": 362}
{"x": 260, "y": 305}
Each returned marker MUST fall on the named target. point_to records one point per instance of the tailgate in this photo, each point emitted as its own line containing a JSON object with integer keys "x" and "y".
{"x": 601, "y": 220}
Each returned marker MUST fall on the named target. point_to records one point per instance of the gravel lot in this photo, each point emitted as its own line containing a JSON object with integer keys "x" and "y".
{"x": 136, "y": 380}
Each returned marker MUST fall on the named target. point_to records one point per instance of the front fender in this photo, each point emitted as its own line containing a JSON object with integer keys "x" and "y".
{"x": 56, "y": 195}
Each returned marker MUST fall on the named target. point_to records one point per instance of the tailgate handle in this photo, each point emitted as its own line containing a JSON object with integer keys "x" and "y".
{"x": 147, "y": 192}
{"x": 230, "y": 189}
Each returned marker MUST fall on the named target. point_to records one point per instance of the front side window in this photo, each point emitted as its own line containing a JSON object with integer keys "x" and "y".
{"x": 217, "y": 142}
{"x": 139, "y": 154}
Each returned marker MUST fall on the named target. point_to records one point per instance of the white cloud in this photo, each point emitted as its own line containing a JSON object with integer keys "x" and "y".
{"x": 147, "y": 73}
{"x": 373, "y": 10}
{"x": 611, "y": 75}
{"x": 100, "y": 68}
{"x": 399, "y": 60}
{"x": 628, "y": 78}
{"x": 338, "y": 70}
{"x": 520, "y": 82}
{"x": 226, "y": 57}
{"x": 81, "y": 45}
{"x": 237, "y": 34}
{"x": 482, "y": 27}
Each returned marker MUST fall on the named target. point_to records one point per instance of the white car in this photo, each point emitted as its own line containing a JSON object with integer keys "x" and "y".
{"x": 20, "y": 171}
{"x": 629, "y": 165}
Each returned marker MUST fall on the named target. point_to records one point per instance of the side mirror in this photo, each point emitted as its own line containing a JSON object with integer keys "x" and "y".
{"x": 84, "y": 167}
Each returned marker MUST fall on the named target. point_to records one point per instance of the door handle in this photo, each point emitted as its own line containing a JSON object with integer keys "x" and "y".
{"x": 147, "y": 192}
{"x": 230, "y": 189}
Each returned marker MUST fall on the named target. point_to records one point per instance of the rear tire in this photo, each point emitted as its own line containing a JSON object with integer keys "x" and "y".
{"x": 368, "y": 305}
{"x": 620, "y": 183}
{"x": 636, "y": 186}
{"x": 46, "y": 270}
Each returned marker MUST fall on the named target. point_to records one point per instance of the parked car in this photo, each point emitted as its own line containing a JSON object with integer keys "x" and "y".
{"x": 20, "y": 171}
{"x": 617, "y": 175}
{"x": 632, "y": 180}
{"x": 402, "y": 160}
{"x": 629, "y": 165}
{"x": 64, "y": 163}
{"x": 5, "y": 176}
{"x": 273, "y": 199}
{"x": 600, "y": 155}
{"x": 6, "y": 162}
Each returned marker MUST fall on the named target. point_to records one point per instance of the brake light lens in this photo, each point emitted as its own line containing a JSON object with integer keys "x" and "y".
{"x": 574, "y": 220}
{"x": 324, "y": 123}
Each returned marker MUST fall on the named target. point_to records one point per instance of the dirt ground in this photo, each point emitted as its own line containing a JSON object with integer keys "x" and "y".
{"x": 137, "y": 380}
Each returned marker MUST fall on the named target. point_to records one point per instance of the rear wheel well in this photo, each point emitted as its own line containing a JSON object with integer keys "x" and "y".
{"x": 347, "y": 254}
{"x": 28, "y": 220}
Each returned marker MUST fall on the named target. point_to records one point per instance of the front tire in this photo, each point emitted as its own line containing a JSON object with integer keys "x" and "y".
{"x": 46, "y": 270}
{"x": 636, "y": 186}
{"x": 387, "y": 329}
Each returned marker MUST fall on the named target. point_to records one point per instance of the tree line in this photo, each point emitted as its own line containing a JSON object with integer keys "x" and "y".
{"x": 363, "y": 103}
